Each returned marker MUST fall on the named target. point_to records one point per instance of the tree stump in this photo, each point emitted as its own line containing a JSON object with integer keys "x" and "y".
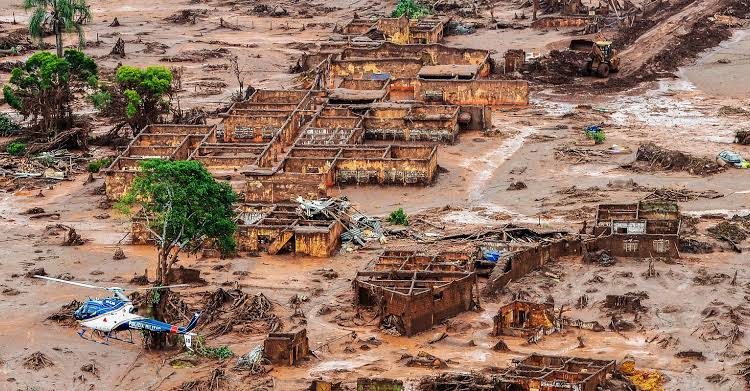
{"x": 118, "y": 49}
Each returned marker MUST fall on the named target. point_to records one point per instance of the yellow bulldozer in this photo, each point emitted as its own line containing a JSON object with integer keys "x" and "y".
{"x": 602, "y": 60}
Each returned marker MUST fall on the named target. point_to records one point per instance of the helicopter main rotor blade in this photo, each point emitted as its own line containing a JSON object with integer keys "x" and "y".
{"x": 70, "y": 282}
{"x": 157, "y": 287}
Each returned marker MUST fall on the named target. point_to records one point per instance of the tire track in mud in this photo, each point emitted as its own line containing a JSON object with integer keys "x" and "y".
{"x": 485, "y": 166}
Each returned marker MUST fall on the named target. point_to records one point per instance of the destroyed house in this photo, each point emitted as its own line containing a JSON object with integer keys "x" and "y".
{"x": 413, "y": 122}
{"x": 413, "y": 296}
{"x": 393, "y": 61}
{"x": 430, "y": 73}
{"x": 397, "y": 30}
{"x": 313, "y": 169}
{"x": 412, "y": 260}
{"x": 286, "y": 348}
{"x": 523, "y": 318}
{"x": 645, "y": 229}
{"x": 273, "y": 228}
{"x": 555, "y": 373}
{"x": 281, "y": 228}
{"x": 169, "y": 142}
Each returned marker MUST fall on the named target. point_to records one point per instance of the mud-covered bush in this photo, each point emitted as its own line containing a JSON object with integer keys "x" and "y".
{"x": 16, "y": 148}
{"x": 398, "y": 217}
{"x": 8, "y": 127}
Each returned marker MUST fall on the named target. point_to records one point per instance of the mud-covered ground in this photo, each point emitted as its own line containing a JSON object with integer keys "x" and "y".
{"x": 542, "y": 145}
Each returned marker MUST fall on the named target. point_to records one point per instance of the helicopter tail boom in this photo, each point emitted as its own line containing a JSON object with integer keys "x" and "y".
{"x": 190, "y": 326}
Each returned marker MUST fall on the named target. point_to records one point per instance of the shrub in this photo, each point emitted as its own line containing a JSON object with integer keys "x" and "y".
{"x": 411, "y": 9}
{"x": 16, "y": 148}
{"x": 8, "y": 127}
{"x": 598, "y": 137}
{"x": 101, "y": 100}
{"x": 216, "y": 353}
{"x": 96, "y": 165}
{"x": 398, "y": 217}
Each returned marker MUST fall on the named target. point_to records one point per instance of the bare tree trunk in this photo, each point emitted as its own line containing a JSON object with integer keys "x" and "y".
{"x": 158, "y": 341}
{"x": 161, "y": 267}
{"x": 58, "y": 39}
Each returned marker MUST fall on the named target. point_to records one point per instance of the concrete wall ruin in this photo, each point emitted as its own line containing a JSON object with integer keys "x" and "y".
{"x": 286, "y": 348}
{"x": 522, "y": 318}
{"x": 173, "y": 142}
{"x": 414, "y": 301}
{"x": 555, "y": 373}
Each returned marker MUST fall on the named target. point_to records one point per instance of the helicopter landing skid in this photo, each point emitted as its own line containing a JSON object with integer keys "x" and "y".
{"x": 107, "y": 336}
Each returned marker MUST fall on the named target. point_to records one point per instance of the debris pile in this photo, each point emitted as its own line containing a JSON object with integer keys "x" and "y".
{"x": 186, "y": 16}
{"x": 742, "y": 137}
{"x": 46, "y": 168}
{"x": 64, "y": 315}
{"x": 18, "y": 42}
{"x": 706, "y": 278}
{"x": 681, "y": 195}
{"x": 692, "y": 246}
{"x": 215, "y": 381}
{"x": 601, "y": 257}
{"x": 559, "y": 67}
{"x": 70, "y": 236}
{"x": 197, "y": 55}
{"x": 657, "y": 158}
{"x": 423, "y": 359}
{"x": 731, "y": 233}
{"x": 37, "y": 361}
{"x": 234, "y": 310}
{"x": 253, "y": 361}
{"x": 578, "y": 155}
{"x": 358, "y": 228}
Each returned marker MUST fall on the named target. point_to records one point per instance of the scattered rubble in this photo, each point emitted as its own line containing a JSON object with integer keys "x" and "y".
{"x": 693, "y": 246}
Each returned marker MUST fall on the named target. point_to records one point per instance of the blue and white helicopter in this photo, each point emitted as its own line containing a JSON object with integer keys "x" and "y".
{"x": 111, "y": 315}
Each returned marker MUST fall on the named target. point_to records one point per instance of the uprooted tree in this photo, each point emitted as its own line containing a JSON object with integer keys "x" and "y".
{"x": 138, "y": 97}
{"x": 63, "y": 16}
{"x": 185, "y": 208}
{"x": 45, "y": 87}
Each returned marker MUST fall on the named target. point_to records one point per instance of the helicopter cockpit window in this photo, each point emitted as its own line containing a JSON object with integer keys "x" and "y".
{"x": 85, "y": 311}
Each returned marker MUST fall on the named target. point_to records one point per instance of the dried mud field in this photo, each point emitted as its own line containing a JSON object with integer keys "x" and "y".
{"x": 697, "y": 302}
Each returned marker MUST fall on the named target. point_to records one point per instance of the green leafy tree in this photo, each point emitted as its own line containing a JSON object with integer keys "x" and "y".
{"x": 140, "y": 96}
{"x": 184, "y": 207}
{"x": 42, "y": 88}
{"x": 64, "y": 16}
